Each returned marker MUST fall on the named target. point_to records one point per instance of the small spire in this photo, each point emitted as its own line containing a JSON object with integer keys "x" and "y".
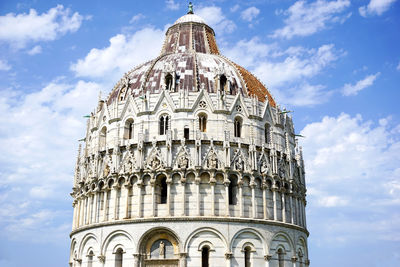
{"x": 190, "y": 8}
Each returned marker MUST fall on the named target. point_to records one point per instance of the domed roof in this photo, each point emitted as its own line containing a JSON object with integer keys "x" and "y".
{"x": 190, "y": 18}
{"x": 191, "y": 57}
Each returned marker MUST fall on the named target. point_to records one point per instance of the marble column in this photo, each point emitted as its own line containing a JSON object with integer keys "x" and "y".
{"x": 182, "y": 259}
{"x": 183, "y": 185}
{"x": 227, "y": 198}
{"x": 291, "y": 208}
{"x": 140, "y": 197}
{"x": 153, "y": 198}
{"x": 283, "y": 195}
{"x": 253, "y": 199}
{"x": 127, "y": 190}
{"x": 274, "y": 202}
{"x": 265, "y": 207}
{"x": 136, "y": 260}
{"x": 169, "y": 182}
{"x": 241, "y": 210}
{"x": 105, "y": 204}
{"x": 197, "y": 181}
{"x": 114, "y": 198}
{"x": 212, "y": 183}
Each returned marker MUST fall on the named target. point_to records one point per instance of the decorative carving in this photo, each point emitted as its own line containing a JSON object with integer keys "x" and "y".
{"x": 212, "y": 161}
{"x": 202, "y": 104}
{"x": 239, "y": 161}
{"x": 239, "y": 108}
{"x": 102, "y": 258}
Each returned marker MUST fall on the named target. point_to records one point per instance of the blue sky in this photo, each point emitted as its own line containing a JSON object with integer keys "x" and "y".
{"x": 335, "y": 63}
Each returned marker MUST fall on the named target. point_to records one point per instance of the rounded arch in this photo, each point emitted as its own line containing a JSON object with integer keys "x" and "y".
{"x": 88, "y": 237}
{"x": 153, "y": 234}
{"x": 302, "y": 244}
{"x": 73, "y": 249}
{"x": 249, "y": 230}
{"x": 205, "y": 229}
{"x": 119, "y": 247}
{"x": 279, "y": 240}
{"x": 113, "y": 234}
{"x": 206, "y": 244}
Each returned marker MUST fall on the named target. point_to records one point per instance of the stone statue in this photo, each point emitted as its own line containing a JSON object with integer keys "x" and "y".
{"x": 213, "y": 161}
{"x": 155, "y": 163}
{"x": 106, "y": 171}
{"x": 239, "y": 163}
{"x": 264, "y": 167}
{"x": 162, "y": 250}
{"x": 183, "y": 162}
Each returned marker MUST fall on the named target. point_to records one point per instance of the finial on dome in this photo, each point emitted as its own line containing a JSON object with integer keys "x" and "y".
{"x": 190, "y": 8}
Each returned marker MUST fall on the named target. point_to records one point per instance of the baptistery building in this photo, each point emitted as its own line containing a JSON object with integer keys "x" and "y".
{"x": 189, "y": 161}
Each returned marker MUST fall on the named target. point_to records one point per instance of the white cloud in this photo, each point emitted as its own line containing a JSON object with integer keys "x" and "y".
{"x": 353, "y": 89}
{"x": 250, "y": 13}
{"x": 123, "y": 53}
{"x": 172, "y": 5}
{"x": 308, "y": 18}
{"x": 215, "y": 18}
{"x": 375, "y": 7}
{"x": 19, "y": 29}
{"x": 37, "y": 163}
{"x": 35, "y": 50}
{"x": 4, "y": 65}
{"x": 234, "y": 8}
{"x": 137, "y": 17}
{"x": 352, "y": 169}
{"x": 286, "y": 72}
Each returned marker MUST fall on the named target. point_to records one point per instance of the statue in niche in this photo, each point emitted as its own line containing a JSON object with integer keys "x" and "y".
{"x": 212, "y": 161}
{"x": 264, "y": 167}
{"x": 239, "y": 163}
{"x": 128, "y": 166}
{"x": 106, "y": 170}
{"x": 155, "y": 163}
{"x": 162, "y": 250}
{"x": 183, "y": 162}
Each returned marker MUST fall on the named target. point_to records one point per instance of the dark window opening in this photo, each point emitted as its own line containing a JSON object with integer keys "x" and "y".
{"x": 247, "y": 261}
{"x": 222, "y": 83}
{"x": 186, "y": 133}
{"x": 267, "y": 133}
{"x": 280, "y": 258}
{"x": 168, "y": 82}
{"x": 164, "y": 124}
{"x": 202, "y": 123}
{"x": 237, "y": 127}
{"x": 205, "y": 254}
{"x": 232, "y": 191}
{"x": 164, "y": 191}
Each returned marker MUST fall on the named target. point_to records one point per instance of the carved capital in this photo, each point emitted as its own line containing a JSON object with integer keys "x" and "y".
{"x": 294, "y": 259}
{"x": 228, "y": 255}
{"x": 267, "y": 257}
{"x": 183, "y": 255}
{"x": 101, "y": 258}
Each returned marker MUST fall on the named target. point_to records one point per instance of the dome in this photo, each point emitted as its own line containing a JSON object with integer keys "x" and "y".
{"x": 190, "y": 18}
{"x": 191, "y": 56}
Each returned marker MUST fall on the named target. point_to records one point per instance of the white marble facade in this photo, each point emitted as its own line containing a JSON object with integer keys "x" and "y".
{"x": 205, "y": 176}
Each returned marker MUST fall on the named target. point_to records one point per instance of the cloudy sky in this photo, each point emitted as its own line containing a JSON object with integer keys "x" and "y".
{"x": 335, "y": 63}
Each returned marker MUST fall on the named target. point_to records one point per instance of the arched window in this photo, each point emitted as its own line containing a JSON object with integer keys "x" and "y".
{"x": 205, "y": 254}
{"x": 238, "y": 127}
{"x": 202, "y": 123}
{"x": 281, "y": 262}
{"x": 247, "y": 260}
{"x": 90, "y": 259}
{"x": 103, "y": 136}
{"x": 168, "y": 82}
{"x": 128, "y": 134}
{"x": 164, "y": 190}
{"x": 119, "y": 257}
{"x": 267, "y": 133}
{"x": 164, "y": 124}
{"x": 223, "y": 83}
{"x": 186, "y": 132}
{"x": 233, "y": 191}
